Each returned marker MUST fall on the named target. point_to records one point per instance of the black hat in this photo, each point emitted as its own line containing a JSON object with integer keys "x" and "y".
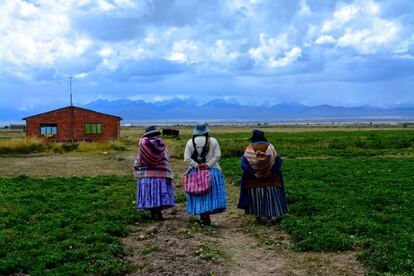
{"x": 151, "y": 132}
{"x": 257, "y": 135}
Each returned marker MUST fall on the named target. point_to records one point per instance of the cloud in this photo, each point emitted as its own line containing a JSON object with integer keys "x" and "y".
{"x": 127, "y": 46}
{"x": 361, "y": 27}
{"x": 325, "y": 39}
{"x": 288, "y": 58}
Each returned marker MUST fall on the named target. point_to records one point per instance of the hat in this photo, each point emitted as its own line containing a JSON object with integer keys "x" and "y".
{"x": 200, "y": 129}
{"x": 257, "y": 135}
{"x": 151, "y": 132}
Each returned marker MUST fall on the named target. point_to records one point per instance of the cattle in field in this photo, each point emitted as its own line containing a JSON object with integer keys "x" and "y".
{"x": 170, "y": 132}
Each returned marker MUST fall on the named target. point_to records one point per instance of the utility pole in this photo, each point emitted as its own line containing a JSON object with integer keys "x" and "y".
{"x": 71, "y": 106}
{"x": 70, "y": 88}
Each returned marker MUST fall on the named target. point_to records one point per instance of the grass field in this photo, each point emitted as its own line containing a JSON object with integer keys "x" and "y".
{"x": 347, "y": 190}
{"x": 365, "y": 204}
{"x": 65, "y": 225}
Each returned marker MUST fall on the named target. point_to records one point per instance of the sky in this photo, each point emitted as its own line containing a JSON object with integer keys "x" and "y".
{"x": 347, "y": 53}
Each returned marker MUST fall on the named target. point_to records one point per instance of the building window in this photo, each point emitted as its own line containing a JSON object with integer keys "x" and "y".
{"x": 48, "y": 129}
{"x": 93, "y": 128}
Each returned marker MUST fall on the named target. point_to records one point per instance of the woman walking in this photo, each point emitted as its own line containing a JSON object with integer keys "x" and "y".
{"x": 262, "y": 191}
{"x": 203, "y": 152}
{"x": 154, "y": 188}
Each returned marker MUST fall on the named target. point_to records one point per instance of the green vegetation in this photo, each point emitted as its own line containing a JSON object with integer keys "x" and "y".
{"x": 211, "y": 252}
{"x": 346, "y": 202}
{"x": 326, "y": 143}
{"x": 288, "y": 144}
{"x": 29, "y": 146}
{"x": 149, "y": 250}
{"x": 65, "y": 225}
{"x": 346, "y": 190}
{"x": 340, "y": 204}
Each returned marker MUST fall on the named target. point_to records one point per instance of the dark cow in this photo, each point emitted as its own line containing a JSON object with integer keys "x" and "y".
{"x": 170, "y": 132}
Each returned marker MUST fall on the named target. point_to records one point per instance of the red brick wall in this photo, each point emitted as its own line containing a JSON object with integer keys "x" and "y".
{"x": 63, "y": 119}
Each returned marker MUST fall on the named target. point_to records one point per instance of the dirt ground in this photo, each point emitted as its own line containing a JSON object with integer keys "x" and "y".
{"x": 234, "y": 245}
{"x": 178, "y": 245}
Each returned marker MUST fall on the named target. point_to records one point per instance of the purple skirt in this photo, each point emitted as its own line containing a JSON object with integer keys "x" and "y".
{"x": 155, "y": 193}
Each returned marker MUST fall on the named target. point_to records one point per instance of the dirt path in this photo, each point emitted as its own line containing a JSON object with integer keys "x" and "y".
{"x": 234, "y": 245}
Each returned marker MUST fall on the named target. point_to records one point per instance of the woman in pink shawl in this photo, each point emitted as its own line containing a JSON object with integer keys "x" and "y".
{"x": 154, "y": 187}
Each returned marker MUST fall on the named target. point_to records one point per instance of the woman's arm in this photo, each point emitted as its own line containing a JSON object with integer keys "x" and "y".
{"x": 189, "y": 149}
{"x": 246, "y": 166}
{"x": 216, "y": 153}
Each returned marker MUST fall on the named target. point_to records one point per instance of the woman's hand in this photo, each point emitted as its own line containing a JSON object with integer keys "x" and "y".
{"x": 203, "y": 166}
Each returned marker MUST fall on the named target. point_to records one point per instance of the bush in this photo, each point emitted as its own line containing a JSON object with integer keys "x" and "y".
{"x": 69, "y": 147}
{"x": 24, "y": 146}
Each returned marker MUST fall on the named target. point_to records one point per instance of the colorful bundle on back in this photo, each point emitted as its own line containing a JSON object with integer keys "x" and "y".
{"x": 261, "y": 157}
{"x": 152, "y": 150}
{"x": 152, "y": 159}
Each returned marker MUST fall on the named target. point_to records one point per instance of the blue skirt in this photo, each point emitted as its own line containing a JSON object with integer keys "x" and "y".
{"x": 267, "y": 202}
{"x": 211, "y": 202}
{"x": 155, "y": 192}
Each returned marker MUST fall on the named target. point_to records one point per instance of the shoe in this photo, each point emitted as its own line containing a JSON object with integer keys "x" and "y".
{"x": 153, "y": 214}
{"x": 269, "y": 221}
{"x": 159, "y": 215}
{"x": 205, "y": 219}
{"x": 208, "y": 220}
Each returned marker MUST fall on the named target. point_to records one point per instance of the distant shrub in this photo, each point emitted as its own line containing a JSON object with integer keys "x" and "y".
{"x": 402, "y": 144}
{"x": 117, "y": 145}
{"x": 362, "y": 144}
{"x": 100, "y": 146}
{"x": 377, "y": 143}
{"x": 337, "y": 145}
{"x": 69, "y": 147}
{"x": 24, "y": 146}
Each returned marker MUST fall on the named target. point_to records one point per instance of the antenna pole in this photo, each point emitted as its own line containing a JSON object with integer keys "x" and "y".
{"x": 70, "y": 88}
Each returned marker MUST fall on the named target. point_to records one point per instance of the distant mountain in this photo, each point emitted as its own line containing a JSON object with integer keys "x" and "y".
{"x": 224, "y": 110}
{"x": 219, "y": 109}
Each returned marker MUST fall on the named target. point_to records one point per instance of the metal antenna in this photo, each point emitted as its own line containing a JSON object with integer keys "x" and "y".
{"x": 70, "y": 88}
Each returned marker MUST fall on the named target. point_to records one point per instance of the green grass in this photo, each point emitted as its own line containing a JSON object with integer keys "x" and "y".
{"x": 65, "y": 225}
{"x": 365, "y": 204}
{"x": 149, "y": 250}
{"x": 289, "y": 144}
{"x": 326, "y": 143}
{"x": 355, "y": 200}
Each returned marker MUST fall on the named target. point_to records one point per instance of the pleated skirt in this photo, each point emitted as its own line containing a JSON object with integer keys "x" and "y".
{"x": 267, "y": 202}
{"x": 211, "y": 202}
{"x": 155, "y": 192}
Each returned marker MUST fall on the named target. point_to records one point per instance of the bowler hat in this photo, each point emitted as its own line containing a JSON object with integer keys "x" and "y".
{"x": 151, "y": 131}
{"x": 200, "y": 129}
{"x": 257, "y": 135}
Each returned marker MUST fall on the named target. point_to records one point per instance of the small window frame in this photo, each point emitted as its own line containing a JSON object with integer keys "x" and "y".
{"x": 93, "y": 128}
{"x": 48, "y": 130}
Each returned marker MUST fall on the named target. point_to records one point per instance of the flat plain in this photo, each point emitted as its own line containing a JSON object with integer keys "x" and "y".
{"x": 70, "y": 209}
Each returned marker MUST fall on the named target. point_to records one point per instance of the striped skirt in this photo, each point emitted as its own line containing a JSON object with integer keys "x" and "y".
{"x": 153, "y": 192}
{"x": 267, "y": 202}
{"x": 211, "y": 202}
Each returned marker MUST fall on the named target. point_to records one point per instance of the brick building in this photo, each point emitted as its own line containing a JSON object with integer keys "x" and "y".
{"x": 73, "y": 123}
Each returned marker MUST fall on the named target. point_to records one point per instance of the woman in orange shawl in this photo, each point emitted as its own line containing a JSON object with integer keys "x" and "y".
{"x": 262, "y": 190}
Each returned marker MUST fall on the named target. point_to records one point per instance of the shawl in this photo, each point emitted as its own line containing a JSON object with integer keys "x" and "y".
{"x": 152, "y": 159}
{"x": 261, "y": 157}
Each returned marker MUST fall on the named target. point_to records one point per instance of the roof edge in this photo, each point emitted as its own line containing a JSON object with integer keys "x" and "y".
{"x": 54, "y": 110}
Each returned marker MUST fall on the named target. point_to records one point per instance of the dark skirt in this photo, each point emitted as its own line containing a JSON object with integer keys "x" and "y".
{"x": 155, "y": 193}
{"x": 267, "y": 202}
